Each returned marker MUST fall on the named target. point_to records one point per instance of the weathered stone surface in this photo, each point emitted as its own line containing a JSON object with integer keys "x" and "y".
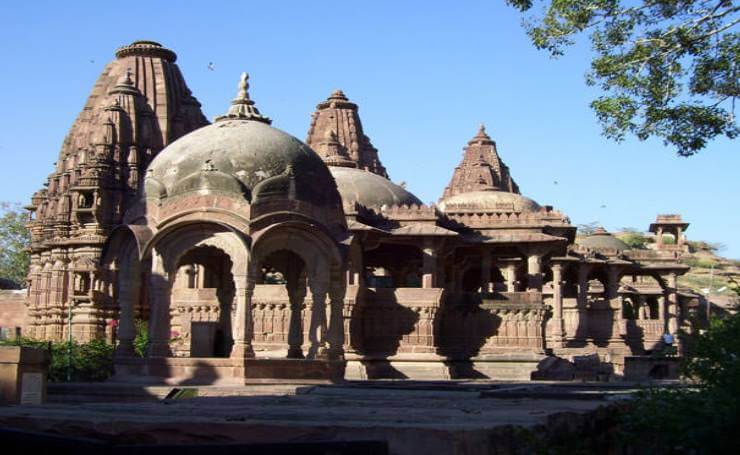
{"x": 427, "y": 420}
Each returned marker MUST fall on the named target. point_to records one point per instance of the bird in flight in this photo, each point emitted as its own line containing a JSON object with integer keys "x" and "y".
{"x": 211, "y": 66}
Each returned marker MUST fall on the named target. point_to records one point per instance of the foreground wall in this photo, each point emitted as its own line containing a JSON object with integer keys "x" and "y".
{"x": 12, "y": 312}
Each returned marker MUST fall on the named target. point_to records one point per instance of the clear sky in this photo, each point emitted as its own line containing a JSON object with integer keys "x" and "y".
{"x": 424, "y": 73}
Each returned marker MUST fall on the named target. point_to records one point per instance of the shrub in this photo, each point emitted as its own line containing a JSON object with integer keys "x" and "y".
{"x": 141, "y": 341}
{"x": 636, "y": 240}
{"x": 702, "y": 263}
{"x": 92, "y": 361}
{"x": 704, "y": 418}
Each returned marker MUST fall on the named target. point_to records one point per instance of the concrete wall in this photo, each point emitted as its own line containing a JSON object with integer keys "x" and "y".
{"x": 12, "y": 310}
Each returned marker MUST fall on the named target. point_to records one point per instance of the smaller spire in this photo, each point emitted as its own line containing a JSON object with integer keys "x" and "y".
{"x": 338, "y": 95}
{"x": 242, "y": 107}
{"x": 481, "y": 137}
{"x": 125, "y": 85}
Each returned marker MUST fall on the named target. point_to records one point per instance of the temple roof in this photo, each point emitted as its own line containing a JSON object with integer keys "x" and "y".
{"x": 336, "y": 134}
{"x": 241, "y": 156}
{"x": 481, "y": 169}
{"x": 139, "y": 104}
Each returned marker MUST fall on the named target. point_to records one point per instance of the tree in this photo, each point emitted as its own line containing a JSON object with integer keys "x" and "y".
{"x": 14, "y": 242}
{"x": 634, "y": 238}
{"x": 667, "y": 68}
{"x": 586, "y": 229}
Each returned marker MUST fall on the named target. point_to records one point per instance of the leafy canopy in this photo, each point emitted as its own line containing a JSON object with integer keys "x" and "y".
{"x": 667, "y": 68}
{"x": 14, "y": 240}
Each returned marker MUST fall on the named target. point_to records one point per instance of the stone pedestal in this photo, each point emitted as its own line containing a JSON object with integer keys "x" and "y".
{"x": 23, "y": 375}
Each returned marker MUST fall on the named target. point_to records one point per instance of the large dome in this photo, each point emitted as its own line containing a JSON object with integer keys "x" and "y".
{"x": 234, "y": 157}
{"x": 488, "y": 201}
{"x": 368, "y": 189}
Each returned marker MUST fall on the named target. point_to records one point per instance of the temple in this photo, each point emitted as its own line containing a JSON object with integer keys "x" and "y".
{"x": 247, "y": 253}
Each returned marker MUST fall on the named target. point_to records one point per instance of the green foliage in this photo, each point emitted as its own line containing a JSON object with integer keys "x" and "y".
{"x": 14, "y": 241}
{"x": 141, "y": 341}
{"x": 635, "y": 239}
{"x": 702, "y": 419}
{"x": 668, "y": 239}
{"x": 91, "y": 361}
{"x": 667, "y": 68}
{"x": 698, "y": 245}
{"x": 702, "y": 263}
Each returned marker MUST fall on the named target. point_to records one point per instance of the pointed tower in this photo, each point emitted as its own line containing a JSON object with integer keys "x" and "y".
{"x": 481, "y": 169}
{"x": 336, "y": 135}
{"x": 139, "y": 104}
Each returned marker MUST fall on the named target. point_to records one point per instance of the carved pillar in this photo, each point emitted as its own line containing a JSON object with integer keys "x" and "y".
{"x": 534, "y": 273}
{"x": 583, "y": 271}
{"x": 661, "y": 311}
{"x": 642, "y": 310}
{"x": 128, "y": 278}
{"x": 485, "y": 270}
{"x": 159, "y": 320}
{"x": 317, "y": 325}
{"x": 429, "y": 266}
{"x": 679, "y": 236}
{"x": 511, "y": 277}
{"x": 615, "y": 301}
{"x": 297, "y": 295}
{"x": 672, "y": 304}
{"x": 243, "y": 324}
{"x": 557, "y": 297}
{"x": 337, "y": 292}
{"x": 659, "y": 236}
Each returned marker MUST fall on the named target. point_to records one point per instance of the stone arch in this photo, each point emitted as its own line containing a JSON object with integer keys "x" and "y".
{"x": 325, "y": 272}
{"x": 120, "y": 256}
{"x": 166, "y": 249}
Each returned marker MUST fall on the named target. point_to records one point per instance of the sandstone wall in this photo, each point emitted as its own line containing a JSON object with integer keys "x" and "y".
{"x": 12, "y": 310}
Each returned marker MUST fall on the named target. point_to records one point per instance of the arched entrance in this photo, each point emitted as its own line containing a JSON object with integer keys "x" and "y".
{"x": 202, "y": 301}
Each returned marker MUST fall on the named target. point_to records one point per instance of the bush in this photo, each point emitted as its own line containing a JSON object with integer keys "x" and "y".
{"x": 703, "y": 418}
{"x": 141, "y": 341}
{"x": 91, "y": 361}
{"x": 636, "y": 240}
{"x": 700, "y": 263}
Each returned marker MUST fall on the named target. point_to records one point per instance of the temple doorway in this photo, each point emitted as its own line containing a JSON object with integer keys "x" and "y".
{"x": 202, "y": 298}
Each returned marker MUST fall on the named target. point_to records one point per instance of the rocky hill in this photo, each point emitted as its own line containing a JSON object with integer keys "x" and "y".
{"x": 711, "y": 274}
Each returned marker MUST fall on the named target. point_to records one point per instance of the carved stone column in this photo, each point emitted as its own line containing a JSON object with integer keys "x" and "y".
{"x": 429, "y": 265}
{"x": 317, "y": 325}
{"x": 672, "y": 304}
{"x": 642, "y": 310}
{"x": 128, "y": 278}
{"x": 557, "y": 297}
{"x": 511, "y": 277}
{"x": 296, "y": 295}
{"x": 615, "y": 301}
{"x": 534, "y": 273}
{"x": 583, "y": 271}
{"x": 243, "y": 324}
{"x": 485, "y": 270}
{"x": 337, "y": 292}
{"x": 159, "y": 320}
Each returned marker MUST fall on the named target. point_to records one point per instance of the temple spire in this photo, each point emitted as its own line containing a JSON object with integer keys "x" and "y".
{"x": 481, "y": 168}
{"x": 336, "y": 135}
{"x": 242, "y": 107}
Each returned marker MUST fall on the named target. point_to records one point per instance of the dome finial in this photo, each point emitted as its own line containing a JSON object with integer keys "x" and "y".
{"x": 242, "y": 107}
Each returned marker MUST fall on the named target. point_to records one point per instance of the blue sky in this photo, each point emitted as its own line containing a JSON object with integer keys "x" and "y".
{"x": 424, "y": 73}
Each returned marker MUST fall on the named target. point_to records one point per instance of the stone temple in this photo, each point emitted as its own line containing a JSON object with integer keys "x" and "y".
{"x": 248, "y": 254}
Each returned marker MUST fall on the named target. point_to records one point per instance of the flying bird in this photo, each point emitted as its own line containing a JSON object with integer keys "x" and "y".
{"x": 211, "y": 66}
